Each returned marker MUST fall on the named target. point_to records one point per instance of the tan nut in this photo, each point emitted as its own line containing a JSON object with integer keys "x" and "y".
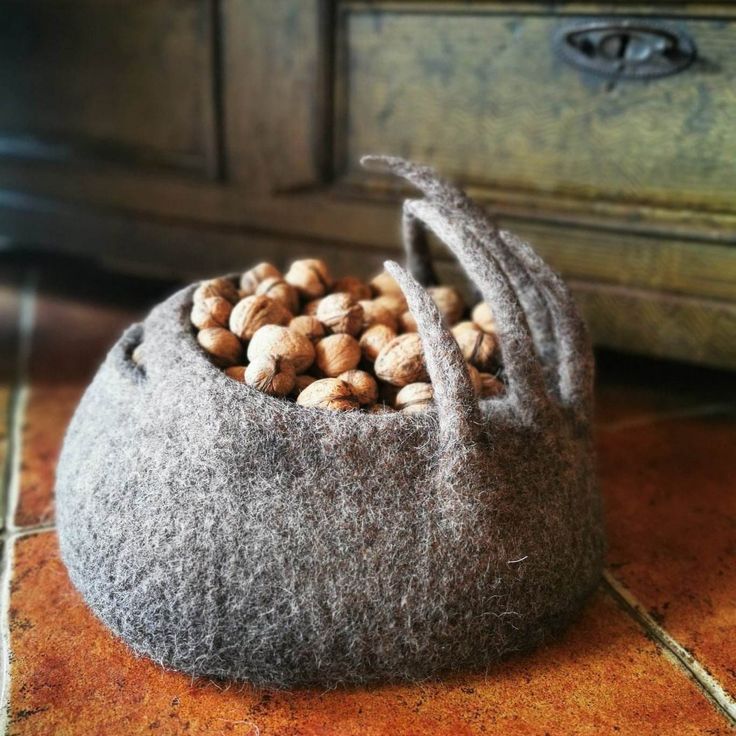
{"x": 407, "y": 323}
{"x": 223, "y": 347}
{"x": 363, "y": 385}
{"x": 415, "y": 397}
{"x": 385, "y": 283}
{"x": 357, "y": 288}
{"x": 339, "y": 312}
{"x": 336, "y": 354}
{"x": 448, "y": 301}
{"x": 483, "y": 317}
{"x": 281, "y": 342}
{"x": 301, "y": 383}
{"x": 328, "y": 393}
{"x": 310, "y": 277}
{"x": 253, "y": 312}
{"x": 236, "y": 372}
{"x": 278, "y": 290}
{"x": 474, "y": 376}
{"x": 212, "y": 311}
{"x": 221, "y": 287}
{"x": 402, "y": 361}
{"x": 311, "y": 307}
{"x": 490, "y": 386}
{"x": 250, "y": 280}
{"x": 394, "y": 303}
{"x": 308, "y": 326}
{"x": 477, "y": 347}
{"x": 380, "y": 409}
{"x": 274, "y": 376}
{"x": 377, "y": 314}
{"x": 374, "y": 339}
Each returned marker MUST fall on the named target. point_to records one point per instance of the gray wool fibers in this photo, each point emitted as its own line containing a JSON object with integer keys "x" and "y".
{"x": 226, "y": 533}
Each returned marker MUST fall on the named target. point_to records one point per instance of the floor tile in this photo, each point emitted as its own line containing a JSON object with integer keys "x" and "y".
{"x": 671, "y": 514}
{"x": 70, "y": 339}
{"x": 603, "y": 676}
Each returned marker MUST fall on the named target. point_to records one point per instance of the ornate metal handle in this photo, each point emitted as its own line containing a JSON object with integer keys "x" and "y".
{"x": 628, "y": 49}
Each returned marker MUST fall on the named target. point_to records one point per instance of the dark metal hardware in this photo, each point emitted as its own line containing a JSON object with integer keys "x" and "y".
{"x": 627, "y": 49}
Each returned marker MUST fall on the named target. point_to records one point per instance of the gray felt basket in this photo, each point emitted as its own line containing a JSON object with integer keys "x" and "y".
{"x": 227, "y": 533}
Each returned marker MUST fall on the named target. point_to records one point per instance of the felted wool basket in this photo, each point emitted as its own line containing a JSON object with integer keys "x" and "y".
{"x": 227, "y": 533}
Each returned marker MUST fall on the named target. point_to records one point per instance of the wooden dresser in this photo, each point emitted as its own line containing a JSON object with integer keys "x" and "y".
{"x": 185, "y": 138}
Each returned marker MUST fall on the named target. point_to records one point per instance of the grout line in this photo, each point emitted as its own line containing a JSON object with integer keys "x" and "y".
{"x": 712, "y": 689}
{"x": 702, "y": 410}
{"x": 11, "y": 486}
{"x": 19, "y": 398}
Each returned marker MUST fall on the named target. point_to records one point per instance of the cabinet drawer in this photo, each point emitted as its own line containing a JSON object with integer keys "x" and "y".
{"x": 480, "y": 91}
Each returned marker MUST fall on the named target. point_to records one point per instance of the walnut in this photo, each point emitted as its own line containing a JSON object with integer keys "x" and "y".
{"x": 483, "y": 317}
{"x": 221, "y": 287}
{"x": 310, "y": 277}
{"x": 394, "y": 303}
{"x": 474, "y": 375}
{"x": 301, "y": 383}
{"x": 223, "y": 347}
{"x": 357, "y": 288}
{"x": 478, "y": 347}
{"x": 250, "y": 280}
{"x": 273, "y": 375}
{"x": 328, "y": 393}
{"x": 490, "y": 386}
{"x": 402, "y": 361}
{"x": 407, "y": 322}
{"x": 253, "y": 312}
{"x": 213, "y": 311}
{"x": 340, "y": 313}
{"x": 236, "y": 372}
{"x": 278, "y": 290}
{"x": 415, "y": 397}
{"x": 310, "y": 327}
{"x": 377, "y": 314}
{"x": 448, "y": 301}
{"x": 374, "y": 339}
{"x": 380, "y": 409}
{"x": 385, "y": 283}
{"x": 336, "y": 354}
{"x": 281, "y": 342}
{"x": 363, "y": 385}
{"x": 311, "y": 307}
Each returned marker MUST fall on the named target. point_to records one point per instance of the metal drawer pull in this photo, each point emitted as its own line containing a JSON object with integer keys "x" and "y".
{"x": 628, "y": 49}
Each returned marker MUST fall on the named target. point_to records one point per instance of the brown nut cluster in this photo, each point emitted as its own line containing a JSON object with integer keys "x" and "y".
{"x": 340, "y": 344}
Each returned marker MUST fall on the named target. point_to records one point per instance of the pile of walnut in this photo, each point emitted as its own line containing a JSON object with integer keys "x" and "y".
{"x": 334, "y": 344}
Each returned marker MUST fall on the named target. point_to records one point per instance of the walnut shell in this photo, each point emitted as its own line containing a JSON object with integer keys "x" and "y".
{"x": 490, "y": 386}
{"x": 311, "y": 307}
{"x": 274, "y": 376}
{"x": 236, "y": 372}
{"x": 310, "y": 277}
{"x": 395, "y": 303}
{"x": 221, "y": 287}
{"x": 474, "y": 375}
{"x": 308, "y": 326}
{"x": 357, "y": 288}
{"x": 301, "y": 382}
{"x": 477, "y": 347}
{"x": 281, "y": 342}
{"x": 250, "y": 280}
{"x": 380, "y": 409}
{"x": 483, "y": 317}
{"x": 328, "y": 393}
{"x": 253, "y": 312}
{"x": 415, "y": 397}
{"x": 385, "y": 283}
{"x": 373, "y": 340}
{"x": 336, "y": 354}
{"x": 407, "y": 323}
{"x": 377, "y": 314}
{"x": 340, "y": 313}
{"x": 277, "y": 289}
{"x": 212, "y": 311}
{"x": 223, "y": 347}
{"x": 402, "y": 361}
{"x": 363, "y": 386}
{"x": 448, "y": 301}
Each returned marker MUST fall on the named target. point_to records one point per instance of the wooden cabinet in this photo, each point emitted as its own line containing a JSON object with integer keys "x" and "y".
{"x": 187, "y": 138}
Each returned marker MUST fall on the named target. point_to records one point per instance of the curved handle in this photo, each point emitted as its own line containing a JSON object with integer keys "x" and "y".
{"x": 454, "y": 396}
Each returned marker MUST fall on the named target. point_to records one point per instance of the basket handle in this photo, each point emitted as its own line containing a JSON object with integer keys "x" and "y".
{"x": 454, "y": 395}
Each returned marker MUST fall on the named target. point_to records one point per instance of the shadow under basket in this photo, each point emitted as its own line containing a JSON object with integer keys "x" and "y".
{"x": 227, "y": 533}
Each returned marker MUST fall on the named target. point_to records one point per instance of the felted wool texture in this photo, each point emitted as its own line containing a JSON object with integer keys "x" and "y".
{"x": 227, "y": 533}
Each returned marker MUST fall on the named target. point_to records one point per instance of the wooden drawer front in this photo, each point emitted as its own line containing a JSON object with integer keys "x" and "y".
{"x": 480, "y": 92}
{"x": 108, "y": 81}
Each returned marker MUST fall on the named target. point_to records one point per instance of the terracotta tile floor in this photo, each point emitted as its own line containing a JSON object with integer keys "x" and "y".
{"x": 653, "y": 653}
